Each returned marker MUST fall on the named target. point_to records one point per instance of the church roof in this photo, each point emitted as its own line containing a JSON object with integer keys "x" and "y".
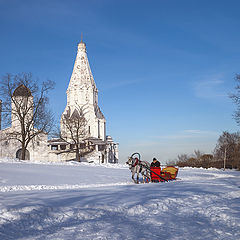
{"x": 57, "y": 141}
{"x": 22, "y": 91}
{"x": 75, "y": 114}
{"x": 97, "y": 141}
{"x": 98, "y": 112}
{"x": 82, "y": 74}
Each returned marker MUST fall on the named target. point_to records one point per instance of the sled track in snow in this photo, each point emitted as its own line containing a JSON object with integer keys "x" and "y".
{"x": 57, "y": 187}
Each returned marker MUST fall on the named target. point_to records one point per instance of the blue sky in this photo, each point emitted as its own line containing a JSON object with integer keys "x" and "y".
{"x": 163, "y": 69}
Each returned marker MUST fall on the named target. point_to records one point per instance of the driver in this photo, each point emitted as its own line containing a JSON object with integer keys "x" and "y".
{"x": 155, "y": 163}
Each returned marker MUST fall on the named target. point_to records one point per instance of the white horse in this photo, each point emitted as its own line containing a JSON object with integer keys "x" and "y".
{"x": 137, "y": 166}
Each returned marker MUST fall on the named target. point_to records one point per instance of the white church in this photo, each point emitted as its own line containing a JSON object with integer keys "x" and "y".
{"x": 82, "y": 93}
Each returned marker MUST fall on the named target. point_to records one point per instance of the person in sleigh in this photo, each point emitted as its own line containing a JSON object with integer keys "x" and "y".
{"x": 155, "y": 163}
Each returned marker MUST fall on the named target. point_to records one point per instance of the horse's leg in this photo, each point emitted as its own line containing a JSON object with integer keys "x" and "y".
{"x": 146, "y": 176}
{"x": 138, "y": 175}
{"x": 133, "y": 173}
{"x": 149, "y": 176}
{"x": 143, "y": 177}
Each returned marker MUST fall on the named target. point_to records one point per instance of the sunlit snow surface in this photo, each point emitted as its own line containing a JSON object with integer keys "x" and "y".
{"x": 56, "y": 201}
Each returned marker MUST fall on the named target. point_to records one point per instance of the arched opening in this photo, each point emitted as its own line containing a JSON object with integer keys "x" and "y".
{"x": 98, "y": 129}
{"x": 102, "y": 158}
{"x": 19, "y": 154}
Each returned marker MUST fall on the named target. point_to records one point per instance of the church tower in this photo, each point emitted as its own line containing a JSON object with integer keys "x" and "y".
{"x": 82, "y": 94}
{"x": 22, "y": 103}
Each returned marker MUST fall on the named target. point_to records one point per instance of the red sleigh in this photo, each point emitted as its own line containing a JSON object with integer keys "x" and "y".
{"x": 164, "y": 174}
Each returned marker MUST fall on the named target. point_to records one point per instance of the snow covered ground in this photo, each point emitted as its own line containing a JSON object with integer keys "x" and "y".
{"x": 83, "y": 201}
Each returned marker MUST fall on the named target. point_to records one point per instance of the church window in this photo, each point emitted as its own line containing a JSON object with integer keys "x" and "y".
{"x": 38, "y": 143}
{"x": 54, "y": 147}
{"x": 63, "y": 147}
{"x": 101, "y": 147}
{"x": 98, "y": 129}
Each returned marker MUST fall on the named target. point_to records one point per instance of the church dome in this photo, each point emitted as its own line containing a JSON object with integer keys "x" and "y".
{"x": 82, "y": 47}
{"x": 109, "y": 139}
{"x": 22, "y": 91}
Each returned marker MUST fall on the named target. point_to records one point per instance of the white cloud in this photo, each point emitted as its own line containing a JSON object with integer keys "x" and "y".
{"x": 203, "y": 132}
{"x": 177, "y": 136}
{"x": 210, "y": 87}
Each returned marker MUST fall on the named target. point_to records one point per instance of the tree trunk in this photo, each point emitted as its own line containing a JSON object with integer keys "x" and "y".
{"x": 23, "y": 157}
{"x": 78, "y": 155}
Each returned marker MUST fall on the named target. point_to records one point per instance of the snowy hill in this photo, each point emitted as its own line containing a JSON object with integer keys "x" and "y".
{"x": 84, "y": 201}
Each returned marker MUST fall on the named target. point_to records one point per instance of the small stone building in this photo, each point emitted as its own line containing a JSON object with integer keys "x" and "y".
{"x": 9, "y": 146}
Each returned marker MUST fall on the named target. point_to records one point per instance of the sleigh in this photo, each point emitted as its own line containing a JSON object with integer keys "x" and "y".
{"x": 156, "y": 173}
{"x": 164, "y": 174}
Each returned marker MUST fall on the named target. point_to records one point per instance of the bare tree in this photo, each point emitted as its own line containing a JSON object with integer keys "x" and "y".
{"x": 198, "y": 159}
{"x": 182, "y": 160}
{"x": 25, "y": 107}
{"x": 227, "y": 149}
{"x": 198, "y": 154}
{"x": 206, "y": 160}
{"x": 74, "y": 129}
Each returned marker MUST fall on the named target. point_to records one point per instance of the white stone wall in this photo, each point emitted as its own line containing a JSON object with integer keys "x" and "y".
{"x": 37, "y": 148}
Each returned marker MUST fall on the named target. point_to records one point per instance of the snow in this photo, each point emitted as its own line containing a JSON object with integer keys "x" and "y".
{"x": 89, "y": 201}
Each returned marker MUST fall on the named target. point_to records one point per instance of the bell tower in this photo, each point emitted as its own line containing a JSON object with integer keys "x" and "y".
{"x": 22, "y": 104}
{"x": 83, "y": 93}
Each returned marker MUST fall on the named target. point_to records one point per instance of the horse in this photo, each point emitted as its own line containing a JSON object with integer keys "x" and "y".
{"x": 137, "y": 166}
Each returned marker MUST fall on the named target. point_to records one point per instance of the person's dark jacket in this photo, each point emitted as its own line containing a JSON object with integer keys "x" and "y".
{"x": 155, "y": 164}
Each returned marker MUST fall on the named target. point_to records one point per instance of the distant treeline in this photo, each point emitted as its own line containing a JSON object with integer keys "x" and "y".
{"x": 225, "y": 155}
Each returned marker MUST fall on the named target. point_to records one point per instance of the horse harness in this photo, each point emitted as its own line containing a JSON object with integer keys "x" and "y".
{"x": 137, "y": 162}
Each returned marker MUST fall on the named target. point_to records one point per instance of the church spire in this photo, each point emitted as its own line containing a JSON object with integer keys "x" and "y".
{"x": 82, "y": 88}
